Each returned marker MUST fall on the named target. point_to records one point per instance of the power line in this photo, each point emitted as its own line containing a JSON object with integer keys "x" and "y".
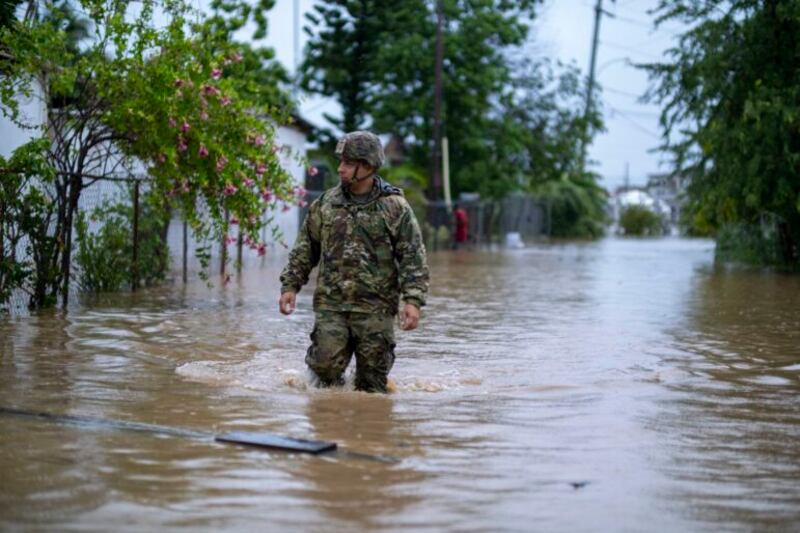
{"x": 620, "y": 91}
{"x": 630, "y": 49}
{"x": 635, "y": 124}
{"x": 649, "y": 114}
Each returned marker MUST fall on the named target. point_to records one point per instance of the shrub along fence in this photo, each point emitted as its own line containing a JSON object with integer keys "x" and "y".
{"x": 118, "y": 241}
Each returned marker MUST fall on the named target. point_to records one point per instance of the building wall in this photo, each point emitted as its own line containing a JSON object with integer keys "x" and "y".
{"x": 289, "y": 221}
{"x": 11, "y": 136}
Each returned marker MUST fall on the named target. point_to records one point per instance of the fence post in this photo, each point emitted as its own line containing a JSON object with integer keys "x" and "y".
{"x": 239, "y": 253}
{"x": 185, "y": 251}
{"x": 135, "y": 262}
{"x": 481, "y": 237}
{"x": 224, "y": 250}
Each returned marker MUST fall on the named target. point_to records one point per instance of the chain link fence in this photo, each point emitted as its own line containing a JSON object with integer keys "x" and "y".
{"x": 99, "y": 192}
{"x": 488, "y": 222}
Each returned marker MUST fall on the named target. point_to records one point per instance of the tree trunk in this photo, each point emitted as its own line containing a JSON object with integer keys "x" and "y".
{"x": 74, "y": 192}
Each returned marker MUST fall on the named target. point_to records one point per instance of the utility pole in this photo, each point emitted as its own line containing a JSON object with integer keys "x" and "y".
{"x": 436, "y": 155}
{"x": 598, "y": 14}
{"x": 296, "y": 17}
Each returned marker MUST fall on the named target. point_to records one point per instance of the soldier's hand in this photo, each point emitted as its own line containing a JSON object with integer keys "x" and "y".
{"x": 409, "y": 317}
{"x": 287, "y": 302}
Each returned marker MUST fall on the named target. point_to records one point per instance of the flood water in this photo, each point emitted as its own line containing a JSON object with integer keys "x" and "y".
{"x": 623, "y": 385}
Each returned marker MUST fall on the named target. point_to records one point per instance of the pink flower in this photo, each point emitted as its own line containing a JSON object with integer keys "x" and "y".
{"x": 313, "y": 171}
{"x": 179, "y": 93}
{"x": 234, "y": 220}
{"x": 162, "y": 158}
{"x": 185, "y": 186}
{"x": 203, "y": 115}
{"x": 286, "y": 207}
{"x": 221, "y": 162}
{"x": 202, "y": 151}
{"x": 236, "y": 57}
{"x": 182, "y": 147}
{"x": 171, "y": 122}
{"x": 229, "y": 189}
{"x": 267, "y": 195}
{"x": 262, "y": 250}
{"x": 229, "y": 239}
{"x": 303, "y": 203}
{"x": 210, "y": 91}
{"x": 225, "y": 100}
{"x": 216, "y": 73}
{"x": 185, "y": 127}
{"x": 249, "y": 182}
{"x": 260, "y": 169}
{"x": 299, "y": 192}
{"x": 259, "y": 140}
{"x": 178, "y": 83}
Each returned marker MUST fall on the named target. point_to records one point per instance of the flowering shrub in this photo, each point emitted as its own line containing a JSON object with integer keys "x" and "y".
{"x": 198, "y": 109}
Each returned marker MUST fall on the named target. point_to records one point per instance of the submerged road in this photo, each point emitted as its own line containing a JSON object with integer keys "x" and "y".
{"x": 622, "y": 385}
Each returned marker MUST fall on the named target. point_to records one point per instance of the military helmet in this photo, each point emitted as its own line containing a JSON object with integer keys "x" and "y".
{"x": 361, "y": 146}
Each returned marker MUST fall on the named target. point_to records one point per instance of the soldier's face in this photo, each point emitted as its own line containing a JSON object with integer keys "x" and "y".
{"x": 349, "y": 169}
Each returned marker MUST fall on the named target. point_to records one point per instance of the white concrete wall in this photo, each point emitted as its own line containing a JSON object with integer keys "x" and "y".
{"x": 294, "y": 139}
{"x": 32, "y": 111}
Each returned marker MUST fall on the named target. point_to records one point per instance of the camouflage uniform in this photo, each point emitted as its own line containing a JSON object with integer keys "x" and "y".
{"x": 370, "y": 256}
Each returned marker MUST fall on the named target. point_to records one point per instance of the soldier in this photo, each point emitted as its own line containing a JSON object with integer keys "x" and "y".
{"x": 367, "y": 242}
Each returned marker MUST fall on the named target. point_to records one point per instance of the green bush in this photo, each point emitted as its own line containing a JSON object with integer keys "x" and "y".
{"x": 576, "y": 207}
{"x": 105, "y": 256}
{"x": 750, "y": 244}
{"x": 28, "y": 227}
{"x": 639, "y": 220}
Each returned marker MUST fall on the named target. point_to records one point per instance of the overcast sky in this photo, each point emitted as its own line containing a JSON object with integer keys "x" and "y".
{"x": 564, "y": 30}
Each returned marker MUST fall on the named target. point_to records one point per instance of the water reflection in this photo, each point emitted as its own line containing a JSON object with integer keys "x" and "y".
{"x": 731, "y": 418}
{"x": 378, "y": 488}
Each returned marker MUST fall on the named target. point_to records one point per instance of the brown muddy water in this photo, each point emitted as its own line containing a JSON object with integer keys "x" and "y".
{"x": 611, "y": 386}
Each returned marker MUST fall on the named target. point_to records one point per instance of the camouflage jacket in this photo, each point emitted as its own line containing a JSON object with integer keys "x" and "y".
{"x": 370, "y": 254}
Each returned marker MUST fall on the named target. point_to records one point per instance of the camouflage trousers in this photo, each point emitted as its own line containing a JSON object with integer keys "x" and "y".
{"x": 339, "y": 335}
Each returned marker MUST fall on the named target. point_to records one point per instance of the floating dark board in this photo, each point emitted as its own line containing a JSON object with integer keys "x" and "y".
{"x": 268, "y": 440}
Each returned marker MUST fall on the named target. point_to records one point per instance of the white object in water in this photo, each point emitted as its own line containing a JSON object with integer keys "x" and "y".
{"x": 514, "y": 240}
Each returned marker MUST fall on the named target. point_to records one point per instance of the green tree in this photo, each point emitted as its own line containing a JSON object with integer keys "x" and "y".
{"x": 376, "y": 60}
{"x": 731, "y": 118}
{"x": 479, "y": 39}
{"x": 512, "y": 124}
{"x": 176, "y": 97}
{"x": 344, "y": 51}
{"x": 576, "y": 206}
{"x": 8, "y": 10}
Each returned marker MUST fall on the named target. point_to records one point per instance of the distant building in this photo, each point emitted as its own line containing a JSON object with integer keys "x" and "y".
{"x": 668, "y": 190}
{"x": 663, "y": 194}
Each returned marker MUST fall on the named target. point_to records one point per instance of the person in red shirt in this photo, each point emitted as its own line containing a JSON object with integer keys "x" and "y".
{"x": 462, "y": 221}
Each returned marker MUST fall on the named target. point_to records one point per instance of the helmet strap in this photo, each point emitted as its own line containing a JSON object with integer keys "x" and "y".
{"x": 355, "y": 179}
